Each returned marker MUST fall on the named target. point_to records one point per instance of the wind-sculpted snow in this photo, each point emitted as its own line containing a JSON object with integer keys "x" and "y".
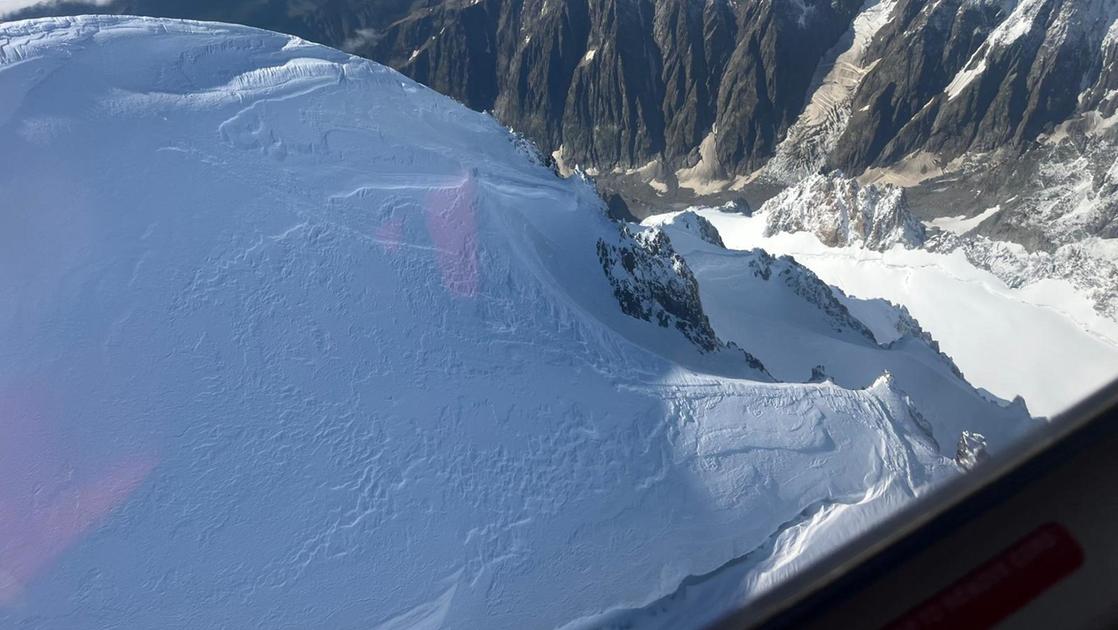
{"x": 293, "y": 341}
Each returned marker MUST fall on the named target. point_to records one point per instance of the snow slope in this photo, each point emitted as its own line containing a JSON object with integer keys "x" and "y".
{"x": 290, "y": 340}
{"x": 794, "y": 323}
{"x": 1045, "y": 342}
{"x": 961, "y": 225}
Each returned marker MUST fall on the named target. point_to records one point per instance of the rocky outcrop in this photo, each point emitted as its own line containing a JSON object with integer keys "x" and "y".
{"x": 652, "y": 282}
{"x": 819, "y": 375}
{"x": 697, "y": 225}
{"x": 841, "y": 212}
{"x": 971, "y": 450}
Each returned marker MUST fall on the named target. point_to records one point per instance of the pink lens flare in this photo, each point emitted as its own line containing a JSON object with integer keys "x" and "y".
{"x": 45, "y": 503}
{"x": 390, "y": 235}
{"x": 452, "y": 224}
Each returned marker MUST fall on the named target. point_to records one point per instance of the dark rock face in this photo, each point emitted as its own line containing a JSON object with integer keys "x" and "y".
{"x": 922, "y": 48}
{"x": 971, "y": 450}
{"x": 618, "y": 83}
{"x": 960, "y": 76}
{"x": 652, "y": 282}
{"x": 769, "y": 74}
{"x": 819, "y": 374}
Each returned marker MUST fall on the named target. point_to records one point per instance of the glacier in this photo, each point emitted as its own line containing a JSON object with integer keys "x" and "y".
{"x": 290, "y": 340}
{"x": 1040, "y": 338}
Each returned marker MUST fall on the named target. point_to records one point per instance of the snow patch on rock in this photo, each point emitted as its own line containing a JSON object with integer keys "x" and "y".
{"x": 697, "y": 225}
{"x": 841, "y": 212}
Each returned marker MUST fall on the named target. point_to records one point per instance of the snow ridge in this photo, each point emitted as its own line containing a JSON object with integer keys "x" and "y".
{"x": 696, "y": 225}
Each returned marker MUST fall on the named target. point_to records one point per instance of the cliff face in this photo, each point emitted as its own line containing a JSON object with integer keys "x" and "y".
{"x": 669, "y": 101}
{"x": 968, "y": 75}
{"x": 618, "y": 83}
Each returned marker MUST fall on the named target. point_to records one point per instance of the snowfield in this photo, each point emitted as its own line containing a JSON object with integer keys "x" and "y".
{"x": 290, "y": 340}
{"x": 1045, "y": 342}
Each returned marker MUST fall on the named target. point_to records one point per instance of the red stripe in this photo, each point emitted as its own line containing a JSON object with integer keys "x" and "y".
{"x": 1001, "y": 586}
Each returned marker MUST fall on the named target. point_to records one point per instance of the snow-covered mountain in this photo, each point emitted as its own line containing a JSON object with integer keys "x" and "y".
{"x": 1016, "y": 323}
{"x": 997, "y": 112}
{"x": 840, "y": 211}
{"x": 290, "y": 339}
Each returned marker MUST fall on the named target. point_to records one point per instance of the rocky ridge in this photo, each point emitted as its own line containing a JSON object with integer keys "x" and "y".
{"x": 842, "y": 212}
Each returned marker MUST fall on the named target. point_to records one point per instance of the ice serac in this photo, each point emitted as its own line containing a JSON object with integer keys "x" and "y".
{"x": 291, "y": 339}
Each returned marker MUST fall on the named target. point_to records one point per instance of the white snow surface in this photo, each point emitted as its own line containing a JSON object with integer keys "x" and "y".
{"x": 290, "y": 340}
{"x": 789, "y": 319}
{"x": 971, "y": 71}
{"x": 961, "y": 225}
{"x": 1044, "y": 341}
